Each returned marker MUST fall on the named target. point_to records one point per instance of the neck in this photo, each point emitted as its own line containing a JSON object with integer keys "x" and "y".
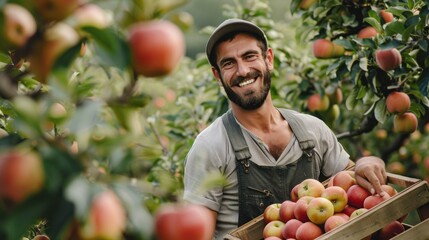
{"x": 262, "y": 118}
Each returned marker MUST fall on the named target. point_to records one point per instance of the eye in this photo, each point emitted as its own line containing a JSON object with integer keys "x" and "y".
{"x": 227, "y": 64}
{"x": 250, "y": 57}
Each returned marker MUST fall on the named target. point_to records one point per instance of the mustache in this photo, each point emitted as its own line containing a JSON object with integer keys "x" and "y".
{"x": 249, "y": 75}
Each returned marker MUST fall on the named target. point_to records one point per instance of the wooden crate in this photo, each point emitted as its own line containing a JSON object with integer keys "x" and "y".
{"x": 414, "y": 196}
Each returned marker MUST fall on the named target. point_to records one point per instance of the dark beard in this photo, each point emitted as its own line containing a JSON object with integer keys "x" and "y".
{"x": 250, "y": 102}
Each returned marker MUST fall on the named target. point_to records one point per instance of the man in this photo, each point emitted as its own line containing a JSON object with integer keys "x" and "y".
{"x": 262, "y": 151}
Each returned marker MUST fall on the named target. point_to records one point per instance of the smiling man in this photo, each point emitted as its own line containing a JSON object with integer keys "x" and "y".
{"x": 261, "y": 150}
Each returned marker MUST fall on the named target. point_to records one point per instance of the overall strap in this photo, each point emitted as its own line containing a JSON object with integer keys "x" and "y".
{"x": 305, "y": 140}
{"x": 235, "y": 135}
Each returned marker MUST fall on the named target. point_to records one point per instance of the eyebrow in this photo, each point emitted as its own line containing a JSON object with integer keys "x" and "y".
{"x": 251, "y": 51}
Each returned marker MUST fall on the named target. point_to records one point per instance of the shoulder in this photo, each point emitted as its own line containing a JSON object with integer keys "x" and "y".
{"x": 305, "y": 118}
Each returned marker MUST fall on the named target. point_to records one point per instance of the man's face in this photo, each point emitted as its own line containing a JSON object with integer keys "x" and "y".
{"x": 244, "y": 71}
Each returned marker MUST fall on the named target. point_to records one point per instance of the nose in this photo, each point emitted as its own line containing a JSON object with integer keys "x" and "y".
{"x": 242, "y": 69}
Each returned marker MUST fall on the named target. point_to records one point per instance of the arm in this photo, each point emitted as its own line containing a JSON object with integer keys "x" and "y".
{"x": 370, "y": 173}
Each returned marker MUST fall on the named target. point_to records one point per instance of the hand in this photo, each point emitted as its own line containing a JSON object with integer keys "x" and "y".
{"x": 370, "y": 173}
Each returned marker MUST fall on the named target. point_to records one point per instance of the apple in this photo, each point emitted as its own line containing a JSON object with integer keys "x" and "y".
{"x": 373, "y": 200}
{"x": 388, "y": 59}
{"x": 56, "y": 40}
{"x": 343, "y": 215}
{"x": 179, "y": 221}
{"x": 300, "y": 211}
{"x": 157, "y": 47}
{"x": 272, "y": 212}
{"x": 21, "y": 174}
{"x": 348, "y": 210}
{"x": 294, "y": 193}
{"x": 306, "y": 4}
{"x": 405, "y": 123}
{"x": 367, "y": 32}
{"x": 18, "y": 26}
{"x": 324, "y": 49}
{"x": 398, "y": 102}
{"x": 41, "y": 237}
{"x": 335, "y": 95}
{"x": 390, "y": 230}
{"x": 271, "y": 229}
{"x": 308, "y": 231}
{"x": 389, "y": 189}
{"x": 333, "y": 222}
{"x": 356, "y": 196}
{"x": 316, "y": 102}
{"x": 107, "y": 217}
{"x": 310, "y": 187}
{"x": 290, "y": 228}
{"x": 396, "y": 167}
{"x": 286, "y": 210}
{"x": 344, "y": 179}
{"x": 358, "y": 212}
{"x": 91, "y": 15}
{"x": 338, "y": 197}
{"x": 55, "y": 10}
{"x": 387, "y": 16}
{"x": 319, "y": 209}
{"x": 272, "y": 238}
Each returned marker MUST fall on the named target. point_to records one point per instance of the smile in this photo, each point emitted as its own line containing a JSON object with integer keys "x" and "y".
{"x": 245, "y": 83}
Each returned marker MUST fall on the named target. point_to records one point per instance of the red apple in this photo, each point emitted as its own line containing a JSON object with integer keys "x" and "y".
{"x": 344, "y": 179}
{"x": 310, "y": 187}
{"x": 388, "y": 59}
{"x": 338, "y": 197}
{"x": 157, "y": 47}
{"x": 182, "y": 221}
{"x": 387, "y": 16}
{"x": 390, "y": 230}
{"x": 372, "y": 201}
{"x": 18, "y": 26}
{"x": 348, "y": 210}
{"x": 306, "y": 4}
{"x": 272, "y": 238}
{"x": 316, "y": 102}
{"x": 367, "y": 32}
{"x": 356, "y": 196}
{"x": 333, "y": 222}
{"x": 343, "y": 215}
{"x": 294, "y": 193}
{"x": 286, "y": 210}
{"x": 405, "y": 123}
{"x": 271, "y": 229}
{"x": 290, "y": 228}
{"x": 300, "y": 211}
{"x": 398, "y": 102}
{"x": 335, "y": 95}
{"x": 389, "y": 189}
{"x": 319, "y": 209}
{"x": 41, "y": 237}
{"x": 21, "y": 174}
{"x": 56, "y": 40}
{"x": 107, "y": 218}
{"x": 358, "y": 212}
{"x": 90, "y": 15}
{"x": 324, "y": 49}
{"x": 272, "y": 212}
{"x": 308, "y": 231}
{"x": 55, "y": 10}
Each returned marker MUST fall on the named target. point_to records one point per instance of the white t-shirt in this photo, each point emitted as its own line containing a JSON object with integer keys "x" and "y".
{"x": 212, "y": 153}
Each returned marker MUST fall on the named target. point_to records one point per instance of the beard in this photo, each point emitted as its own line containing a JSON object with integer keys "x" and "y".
{"x": 251, "y": 100}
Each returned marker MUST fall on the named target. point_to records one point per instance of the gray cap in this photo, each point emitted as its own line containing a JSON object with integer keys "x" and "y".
{"x": 232, "y": 25}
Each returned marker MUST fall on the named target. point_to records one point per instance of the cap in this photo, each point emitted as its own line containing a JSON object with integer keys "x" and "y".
{"x": 232, "y": 25}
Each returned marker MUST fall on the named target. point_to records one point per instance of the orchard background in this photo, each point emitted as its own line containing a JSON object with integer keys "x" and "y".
{"x": 98, "y": 125}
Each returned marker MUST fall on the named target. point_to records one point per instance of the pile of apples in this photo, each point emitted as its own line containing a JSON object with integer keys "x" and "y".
{"x": 314, "y": 209}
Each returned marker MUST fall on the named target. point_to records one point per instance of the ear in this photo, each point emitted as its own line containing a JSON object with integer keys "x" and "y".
{"x": 270, "y": 59}
{"x": 216, "y": 74}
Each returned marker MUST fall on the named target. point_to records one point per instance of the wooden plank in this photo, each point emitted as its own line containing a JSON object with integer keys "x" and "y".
{"x": 404, "y": 202}
{"x": 418, "y": 232}
{"x": 251, "y": 230}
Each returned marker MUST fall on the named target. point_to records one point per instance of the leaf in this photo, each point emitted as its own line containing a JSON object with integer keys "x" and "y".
{"x": 380, "y": 111}
{"x": 374, "y": 22}
{"x": 79, "y": 193}
{"x": 394, "y": 27}
{"x": 111, "y": 49}
{"x": 423, "y": 82}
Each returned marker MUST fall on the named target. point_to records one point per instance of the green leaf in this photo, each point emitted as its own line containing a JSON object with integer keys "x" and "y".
{"x": 394, "y": 27}
{"x": 4, "y": 58}
{"x": 80, "y": 194}
{"x": 380, "y": 111}
{"x": 374, "y": 22}
{"x": 110, "y": 47}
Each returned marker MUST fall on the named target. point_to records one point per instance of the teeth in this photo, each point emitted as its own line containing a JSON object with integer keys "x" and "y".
{"x": 246, "y": 82}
